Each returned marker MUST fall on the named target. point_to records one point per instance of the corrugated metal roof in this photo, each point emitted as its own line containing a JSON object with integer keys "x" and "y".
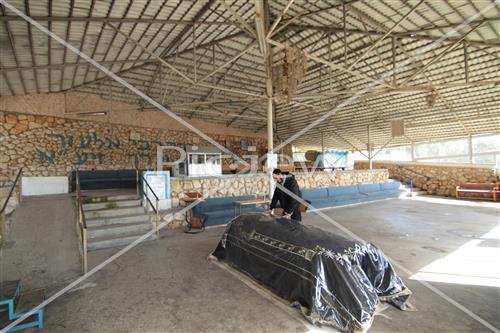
{"x": 32, "y": 63}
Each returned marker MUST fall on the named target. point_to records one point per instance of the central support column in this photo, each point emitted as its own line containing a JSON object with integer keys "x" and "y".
{"x": 270, "y": 124}
{"x": 262, "y": 28}
{"x": 270, "y": 145}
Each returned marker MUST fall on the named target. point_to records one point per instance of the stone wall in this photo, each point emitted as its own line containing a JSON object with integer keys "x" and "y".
{"x": 50, "y": 146}
{"x": 55, "y": 146}
{"x": 258, "y": 184}
{"x": 341, "y": 178}
{"x": 75, "y": 105}
{"x": 444, "y": 178}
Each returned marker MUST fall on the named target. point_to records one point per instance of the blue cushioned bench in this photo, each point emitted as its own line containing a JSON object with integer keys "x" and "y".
{"x": 347, "y": 195}
{"x": 221, "y": 210}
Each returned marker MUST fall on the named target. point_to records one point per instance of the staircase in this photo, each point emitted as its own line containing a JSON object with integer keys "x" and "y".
{"x": 14, "y": 304}
{"x": 115, "y": 221}
{"x": 406, "y": 187}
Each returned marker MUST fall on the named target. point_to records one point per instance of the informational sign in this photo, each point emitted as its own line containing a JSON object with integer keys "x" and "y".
{"x": 159, "y": 183}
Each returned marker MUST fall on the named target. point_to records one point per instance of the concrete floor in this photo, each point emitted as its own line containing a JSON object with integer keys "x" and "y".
{"x": 169, "y": 286}
{"x": 42, "y": 248}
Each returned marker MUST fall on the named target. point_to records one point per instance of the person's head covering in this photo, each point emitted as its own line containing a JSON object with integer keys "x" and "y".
{"x": 277, "y": 172}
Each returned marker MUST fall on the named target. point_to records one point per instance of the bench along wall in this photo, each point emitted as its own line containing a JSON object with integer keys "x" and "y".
{"x": 258, "y": 184}
{"x": 445, "y": 178}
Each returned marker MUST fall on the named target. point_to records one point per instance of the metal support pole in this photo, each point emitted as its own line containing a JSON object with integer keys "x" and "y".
{"x": 345, "y": 33}
{"x": 466, "y": 63}
{"x": 393, "y": 46}
{"x": 84, "y": 244}
{"x": 270, "y": 144}
{"x": 412, "y": 152}
{"x": 3, "y": 228}
{"x": 270, "y": 124}
{"x": 470, "y": 148}
{"x": 323, "y": 148}
{"x": 157, "y": 218}
{"x": 369, "y": 147}
{"x": 137, "y": 181}
{"x": 262, "y": 26}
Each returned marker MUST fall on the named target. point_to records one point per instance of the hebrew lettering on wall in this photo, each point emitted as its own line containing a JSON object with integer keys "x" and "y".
{"x": 47, "y": 145}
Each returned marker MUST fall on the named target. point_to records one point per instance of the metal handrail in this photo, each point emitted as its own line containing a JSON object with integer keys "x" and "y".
{"x": 3, "y": 227}
{"x": 149, "y": 186}
{"x": 81, "y": 224}
{"x": 155, "y": 207}
{"x": 415, "y": 172}
{"x": 11, "y": 191}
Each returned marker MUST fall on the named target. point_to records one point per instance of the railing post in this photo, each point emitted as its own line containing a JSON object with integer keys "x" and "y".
{"x": 137, "y": 180}
{"x": 3, "y": 207}
{"x": 79, "y": 211}
{"x": 85, "y": 264}
{"x": 157, "y": 218}
{"x": 77, "y": 183}
{"x": 145, "y": 193}
{"x": 3, "y": 227}
{"x": 411, "y": 186}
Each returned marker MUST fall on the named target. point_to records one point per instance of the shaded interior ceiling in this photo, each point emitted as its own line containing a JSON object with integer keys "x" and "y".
{"x": 443, "y": 88}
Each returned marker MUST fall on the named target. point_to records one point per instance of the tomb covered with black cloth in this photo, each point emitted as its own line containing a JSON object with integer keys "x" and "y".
{"x": 336, "y": 280}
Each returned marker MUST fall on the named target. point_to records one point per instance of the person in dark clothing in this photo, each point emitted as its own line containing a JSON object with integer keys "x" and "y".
{"x": 290, "y": 205}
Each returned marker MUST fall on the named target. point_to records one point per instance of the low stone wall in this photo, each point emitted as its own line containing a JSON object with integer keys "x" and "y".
{"x": 444, "y": 178}
{"x": 219, "y": 186}
{"x": 258, "y": 184}
{"x": 341, "y": 178}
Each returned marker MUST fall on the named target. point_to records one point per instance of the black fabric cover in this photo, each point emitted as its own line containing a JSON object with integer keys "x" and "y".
{"x": 339, "y": 281}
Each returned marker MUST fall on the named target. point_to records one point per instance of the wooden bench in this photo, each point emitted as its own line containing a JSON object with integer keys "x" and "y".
{"x": 478, "y": 190}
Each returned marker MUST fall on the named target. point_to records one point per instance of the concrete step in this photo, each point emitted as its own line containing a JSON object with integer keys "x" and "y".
{"x": 120, "y": 197}
{"x": 118, "y": 230}
{"x": 114, "y": 212}
{"x": 123, "y": 219}
{"x": 109, "y": 242}
{"x": 111, "y": 204}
